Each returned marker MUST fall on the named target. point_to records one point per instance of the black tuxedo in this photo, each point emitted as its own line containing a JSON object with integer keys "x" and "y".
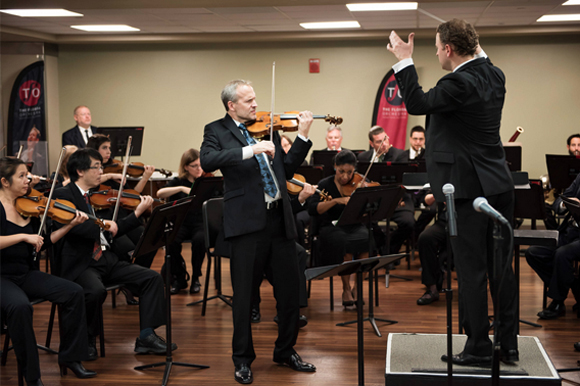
{"x": 406, "y": 157}
{"x": 74, "y": 137}
{"x": 463, "y": 147}
{"x": 394, "y": 155}
{"x": 259, "y": 237}
{"x": 77, "y": 265}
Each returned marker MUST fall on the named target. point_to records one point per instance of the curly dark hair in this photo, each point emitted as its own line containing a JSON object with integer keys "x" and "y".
{"x": 460, "y": 35}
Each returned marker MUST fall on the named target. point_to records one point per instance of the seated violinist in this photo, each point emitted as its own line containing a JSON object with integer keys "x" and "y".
{"x": 339, "y": 243}
{"x": 192, "y": 227}
{"x": 21, "y": 281}
{"x": 87, "y": 259}
{"x": 125, "y": 244}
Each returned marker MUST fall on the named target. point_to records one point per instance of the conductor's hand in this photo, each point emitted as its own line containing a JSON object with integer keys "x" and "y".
{"x": 265, "y": 147}
{"x": 304, "y": 123}
{"x": 399, "y": 48}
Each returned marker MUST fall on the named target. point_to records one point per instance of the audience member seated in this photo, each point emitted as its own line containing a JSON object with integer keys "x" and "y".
{"x": 339, "y": 243}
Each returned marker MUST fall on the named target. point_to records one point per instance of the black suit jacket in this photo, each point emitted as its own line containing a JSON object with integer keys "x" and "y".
{"x": 244, "y": 208}
{"x": 463, "y": 145}
{"x": 394, "y": 155}
{"x": 76, "y": 247}
{"x": 74, "y": 137}
{"x": 406, "y": 157}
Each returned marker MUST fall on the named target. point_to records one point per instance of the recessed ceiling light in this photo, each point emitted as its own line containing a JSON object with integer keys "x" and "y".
{"x": 331, "y": 25}
{"x": 58, "y": 12}
{"x": 381, "y": 7}
{"x": 570, "y": 17}
{"x": 106, "y": 28}
{"x": 572, "y": 2}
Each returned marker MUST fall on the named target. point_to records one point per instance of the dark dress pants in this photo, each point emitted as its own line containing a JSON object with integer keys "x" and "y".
{"x": 473, "y": 257}
{"x": 251, "y": 254}
{"x": 143, "y": 282}
{"x": 16, "y": 292}
{"x": 195, "y": 233}
{"x": 405, "y": 220}
{"x": 431, "y": 243}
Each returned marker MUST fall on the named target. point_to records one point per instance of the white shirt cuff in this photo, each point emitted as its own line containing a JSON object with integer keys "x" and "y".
{"x": 247, "y": 152}
{"x": 403, "y": 64}
{"x": 302, "y": 137}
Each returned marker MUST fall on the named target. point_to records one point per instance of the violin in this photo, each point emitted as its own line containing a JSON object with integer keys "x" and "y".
{"x": 106, "y": 197}
{"x": 357, "y": 181}
{"x": 62, "y": 211}
{"x": 285, "y": 122}
{"x": 296, "y": 184}
{"x": 135, "y": 169}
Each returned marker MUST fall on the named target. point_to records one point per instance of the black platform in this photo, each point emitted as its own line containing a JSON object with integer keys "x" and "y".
{"x": 415, "y": 359}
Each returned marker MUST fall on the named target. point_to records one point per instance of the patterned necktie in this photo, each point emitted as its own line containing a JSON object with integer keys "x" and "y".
{"x": 269, "y": 184}
{"x": 97, "y": 251}
{"x": 382, "y": 158}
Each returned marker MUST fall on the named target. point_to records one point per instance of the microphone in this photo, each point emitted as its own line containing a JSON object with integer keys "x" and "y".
{"x": 480, "y": 204}
{"x": 448, "y": 190}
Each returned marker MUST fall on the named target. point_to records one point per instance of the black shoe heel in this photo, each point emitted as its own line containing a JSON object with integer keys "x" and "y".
{"x": 77, "y": 368}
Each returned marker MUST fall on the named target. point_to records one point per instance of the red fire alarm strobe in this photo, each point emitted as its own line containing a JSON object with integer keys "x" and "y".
{"x": 314, "y": 65}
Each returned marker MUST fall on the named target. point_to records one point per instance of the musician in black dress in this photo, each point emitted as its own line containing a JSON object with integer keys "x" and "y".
{"x": 339, "y": 243}
{"x": 21, "y": 281}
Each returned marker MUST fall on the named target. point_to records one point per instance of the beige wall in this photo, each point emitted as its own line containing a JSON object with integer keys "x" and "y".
{"x": 173, "y": 90}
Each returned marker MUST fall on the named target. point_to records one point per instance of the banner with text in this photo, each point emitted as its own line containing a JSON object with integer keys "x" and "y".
{"x": 26, "y": 112}
{"x": 390, "y": 112}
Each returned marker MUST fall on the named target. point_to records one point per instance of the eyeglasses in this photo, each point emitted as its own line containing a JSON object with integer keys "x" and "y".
{"x": 97, "y": 167}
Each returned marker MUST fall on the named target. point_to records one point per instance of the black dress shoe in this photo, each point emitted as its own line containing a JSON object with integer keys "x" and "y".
{"x": 152, "y": 344}
{"x": 302, "y": 320}
{"x": 256, "y": 317}
{"x": 577, "y": 346}
{"x": 243, "y": 374}
{"x": 510, "y": 356}
{"x": 77, "y": 368}
{"x": 428, "y": 298}
{"x": 462, "y": 359}
{"x": 195, "y": 287}
{"x": 37, "y": 382}
{"x": 92, "y": 353}
{"x": 177, "y": 286}
{"x": 296, "y": 363}
{"x": 554, "y": 310}
{"x": 129, "y": 298}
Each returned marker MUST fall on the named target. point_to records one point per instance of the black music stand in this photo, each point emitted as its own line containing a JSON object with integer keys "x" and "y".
{"x": 119, "y": 138}
{"x": 325, "y": 158}
{"x": 388, "y": 172}
{"x": 161, "y": 230}
{"x": 370, "y": 205}
{"x": 369, "y": 265}
{"x": 312, "y": 173}
{"x": 562, "y": 170}
{"x": 513, "y": 155}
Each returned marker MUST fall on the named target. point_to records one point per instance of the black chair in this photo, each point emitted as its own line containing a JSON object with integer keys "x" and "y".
{"x": 212, "y": 211}
{"x": 314, "y": 244}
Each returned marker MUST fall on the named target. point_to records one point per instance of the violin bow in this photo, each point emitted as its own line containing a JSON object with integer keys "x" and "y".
{"x": 123, "y": 179}
{"x": 374, "y": 158}
{"x": 20, "y": 151}
{"x": 273, "y": 100}
{"x": 45, "y": 214}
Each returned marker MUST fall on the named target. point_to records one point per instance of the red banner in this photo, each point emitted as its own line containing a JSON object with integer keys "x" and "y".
{"x": 390, "y": 112}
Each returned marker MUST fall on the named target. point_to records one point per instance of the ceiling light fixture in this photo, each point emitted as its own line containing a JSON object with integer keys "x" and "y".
{"x": 382, "y": 7}
{"x": 56, "y": 12}
{"x": 331, "y": 25}
{"x": 570, "y": 17}
{"x": 106, "y": 28}
{"x": 572, "y": 2}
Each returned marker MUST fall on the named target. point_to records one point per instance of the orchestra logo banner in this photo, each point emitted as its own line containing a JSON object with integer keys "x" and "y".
{"x": 26, "y": 112}
{"x": 390, "y": 112}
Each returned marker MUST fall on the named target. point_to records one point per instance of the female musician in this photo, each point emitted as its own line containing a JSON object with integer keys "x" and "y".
{"x": 338, "y": 244}
{"x": 192, "y": 227}
{"x": 21, "y": 280}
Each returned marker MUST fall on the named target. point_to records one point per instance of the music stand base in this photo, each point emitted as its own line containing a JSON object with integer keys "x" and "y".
{"x": 530, "y": 323}
{"x": 223, "y": 298}
{"x": 372, "y": 321}
{"x": 168, "y": 365}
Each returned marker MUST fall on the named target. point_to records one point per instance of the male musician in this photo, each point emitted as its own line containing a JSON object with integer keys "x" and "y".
{"x": 334, "y": 138}
{"x": 87, "y": 260}
{"x": 573, "y": 144}
{"x": 382, "y": 150}
{"x": 464, "y": 148}
{"x": 417, "y": 142}
{"x": 80, "y": 134}
{"x": 258, "y": 220}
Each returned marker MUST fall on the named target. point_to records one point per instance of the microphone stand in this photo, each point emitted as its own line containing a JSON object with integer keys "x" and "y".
{"x": 497, "y": 242}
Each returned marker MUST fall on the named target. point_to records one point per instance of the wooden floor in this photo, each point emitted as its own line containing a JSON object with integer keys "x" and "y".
{"x": 207, "y": 340}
